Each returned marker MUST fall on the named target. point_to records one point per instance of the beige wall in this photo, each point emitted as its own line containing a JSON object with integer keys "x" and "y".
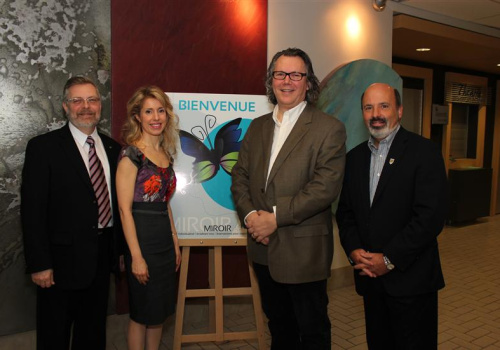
{"x": 321, "y": 29}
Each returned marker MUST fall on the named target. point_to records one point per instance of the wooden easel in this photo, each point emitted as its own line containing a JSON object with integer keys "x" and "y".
{"x": 218, "y": 293}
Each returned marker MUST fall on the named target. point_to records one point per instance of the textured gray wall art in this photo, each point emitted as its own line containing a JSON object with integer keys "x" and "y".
{"x": 42, "y": 44}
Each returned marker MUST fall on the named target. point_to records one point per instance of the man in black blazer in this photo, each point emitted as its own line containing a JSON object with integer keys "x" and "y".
{"x": 391, "y": 210}
{"x": 68, "y": 243}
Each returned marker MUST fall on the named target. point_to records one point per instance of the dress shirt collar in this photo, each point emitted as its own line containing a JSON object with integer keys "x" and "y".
{"x": 80, "y": 137}
{"x": 289, "y": 116}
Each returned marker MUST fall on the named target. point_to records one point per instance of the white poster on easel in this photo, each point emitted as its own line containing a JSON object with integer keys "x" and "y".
{"x": 212, "y": 128}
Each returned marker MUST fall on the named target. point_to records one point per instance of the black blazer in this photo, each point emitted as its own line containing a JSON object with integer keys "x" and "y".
{"x": 407, "y": 214}
{"x": 59, "y": 210}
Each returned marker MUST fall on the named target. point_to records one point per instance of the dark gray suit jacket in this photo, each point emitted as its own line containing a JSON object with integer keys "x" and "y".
{"x": 59, "y": 210}
{"x": 407, "y": 214}
{"x": 304, "y": 181}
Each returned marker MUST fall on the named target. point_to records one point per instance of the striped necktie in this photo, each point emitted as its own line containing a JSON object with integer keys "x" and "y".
{"x": 98, "y": 180}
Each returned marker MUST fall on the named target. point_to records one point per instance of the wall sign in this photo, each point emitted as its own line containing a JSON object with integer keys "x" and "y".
{"x": 212, "y": 128}
{"x": 459, "y": 92}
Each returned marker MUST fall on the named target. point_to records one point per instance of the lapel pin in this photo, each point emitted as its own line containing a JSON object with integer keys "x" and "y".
{"x": 391, "y": 161}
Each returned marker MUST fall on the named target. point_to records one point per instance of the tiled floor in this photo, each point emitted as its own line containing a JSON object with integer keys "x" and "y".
{"x": 469, "y": 314}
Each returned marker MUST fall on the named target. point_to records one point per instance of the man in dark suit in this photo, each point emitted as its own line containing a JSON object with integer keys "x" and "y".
{"x": 391, "y": 210}
{"x": 289, "y": 172}
{"x": 68, "y": 223}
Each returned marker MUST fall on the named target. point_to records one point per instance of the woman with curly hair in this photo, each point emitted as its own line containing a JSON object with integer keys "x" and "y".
{"x": 145, "y": 182}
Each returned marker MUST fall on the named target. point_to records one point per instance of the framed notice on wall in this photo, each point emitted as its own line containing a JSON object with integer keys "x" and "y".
{"x": 212, "y": 128}
{"x": 440, "y": 114}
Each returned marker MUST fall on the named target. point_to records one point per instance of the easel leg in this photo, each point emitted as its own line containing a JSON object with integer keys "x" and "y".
{"x": 181, "y": 298}
{"x": 219, "y": 296}
{"x": 211, "y": 283}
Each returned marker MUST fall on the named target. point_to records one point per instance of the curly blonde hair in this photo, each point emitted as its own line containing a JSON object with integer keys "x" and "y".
{"x": 132, "y": 132}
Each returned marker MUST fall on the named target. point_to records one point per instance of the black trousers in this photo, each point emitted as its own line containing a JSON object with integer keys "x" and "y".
{"x": 297, "y": 313}
{"x": 81, "y": 312}
{"x": 401, "y": 323}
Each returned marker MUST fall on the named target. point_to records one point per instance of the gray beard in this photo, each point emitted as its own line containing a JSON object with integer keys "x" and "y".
{"x": 81, "y": 124}
{"x": 381, "y": 133}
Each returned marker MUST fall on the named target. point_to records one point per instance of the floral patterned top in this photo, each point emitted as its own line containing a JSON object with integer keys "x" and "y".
{"x": 153, "y": 183}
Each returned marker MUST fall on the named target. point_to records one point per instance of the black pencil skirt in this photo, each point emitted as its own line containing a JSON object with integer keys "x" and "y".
{"x": 152, "y": 303}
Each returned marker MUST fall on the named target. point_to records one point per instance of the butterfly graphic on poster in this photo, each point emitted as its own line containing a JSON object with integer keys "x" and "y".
{"x": 222, "y": 153}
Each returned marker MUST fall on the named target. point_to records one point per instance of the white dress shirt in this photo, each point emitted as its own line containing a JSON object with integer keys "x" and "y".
{"x": 281, "y": 132}
{"x": 283, "y": 129}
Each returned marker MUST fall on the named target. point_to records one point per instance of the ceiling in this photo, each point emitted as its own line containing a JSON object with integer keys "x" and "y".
{"x": 469, "y": 39}
{"x": 483, "y": 12}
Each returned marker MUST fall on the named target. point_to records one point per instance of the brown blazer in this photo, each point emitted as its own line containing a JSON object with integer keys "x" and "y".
{"x": 304, "y": 181}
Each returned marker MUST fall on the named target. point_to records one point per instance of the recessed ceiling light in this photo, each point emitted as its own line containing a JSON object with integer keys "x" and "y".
{"x": 498, "y": 65}
{"x": 422, "y": 49}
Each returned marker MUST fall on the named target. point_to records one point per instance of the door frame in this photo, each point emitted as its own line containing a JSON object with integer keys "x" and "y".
{"x": 495, "y": 161}
{"x": 481, "y": 125}
{"x": 426, "y": 75}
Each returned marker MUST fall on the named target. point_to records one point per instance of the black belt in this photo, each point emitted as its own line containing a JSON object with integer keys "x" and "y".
{"x": 101, "y": 231}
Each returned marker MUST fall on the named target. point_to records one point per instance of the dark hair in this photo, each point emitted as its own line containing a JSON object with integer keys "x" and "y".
{"x": 78, "y": 80}
{"x": 397, "y": 97}
{"x": 313, "y": 82}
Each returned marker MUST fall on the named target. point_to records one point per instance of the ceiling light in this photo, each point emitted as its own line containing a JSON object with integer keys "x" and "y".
{"x": 423, "y": 49}
{"x": 379, "y": 5}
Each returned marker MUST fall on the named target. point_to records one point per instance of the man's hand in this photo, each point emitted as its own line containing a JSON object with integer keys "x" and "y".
{"x": 44, "y": 279}
{"x": 261, "y": 225}
{"x": 249, "y": 220}
{"x": 370, "y": 264}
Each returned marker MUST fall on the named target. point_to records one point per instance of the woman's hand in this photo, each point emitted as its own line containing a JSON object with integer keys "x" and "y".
{"x": 140, "y": 270}
{"x": 178, "y": 257}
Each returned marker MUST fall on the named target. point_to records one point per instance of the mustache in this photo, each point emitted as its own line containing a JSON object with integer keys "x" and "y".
{"x": 86, "y": 111}
{"x": 378, "y": 120}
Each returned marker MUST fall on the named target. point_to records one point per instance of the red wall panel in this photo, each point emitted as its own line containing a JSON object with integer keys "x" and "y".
{"x": 198, "y": 46}
{"x": 205, "y": 46}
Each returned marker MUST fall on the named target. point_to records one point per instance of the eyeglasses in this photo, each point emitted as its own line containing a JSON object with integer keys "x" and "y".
{"x": 295, "y": 76}
{"x": 78, "y": 101}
